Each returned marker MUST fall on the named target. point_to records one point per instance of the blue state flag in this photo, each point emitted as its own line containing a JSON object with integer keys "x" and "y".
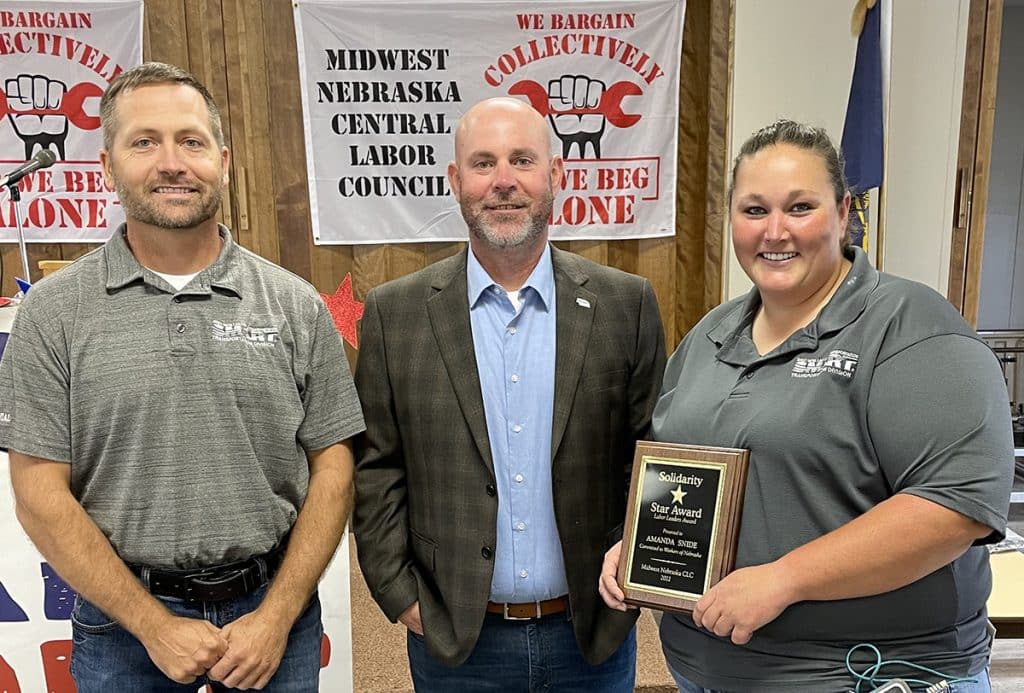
{"x": 863, "y": 138}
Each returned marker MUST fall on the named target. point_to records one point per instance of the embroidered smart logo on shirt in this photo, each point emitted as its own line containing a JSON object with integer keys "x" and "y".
{"x": 237, "y": 332}
{"x": 838, "y": 362}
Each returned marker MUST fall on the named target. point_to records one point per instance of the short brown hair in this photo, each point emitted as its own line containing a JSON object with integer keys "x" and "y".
{"x": 152, "y": 73}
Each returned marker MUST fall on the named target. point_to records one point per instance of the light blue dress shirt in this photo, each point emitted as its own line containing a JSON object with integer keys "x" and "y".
{"x": 515, "y": 356}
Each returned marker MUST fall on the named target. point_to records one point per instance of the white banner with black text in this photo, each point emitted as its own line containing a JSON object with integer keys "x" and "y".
{"x": 385, "y": 82}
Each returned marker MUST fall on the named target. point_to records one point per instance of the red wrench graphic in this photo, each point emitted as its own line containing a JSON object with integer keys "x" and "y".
{"x": 610, "y": 105}
{"x": 71, "y": 105}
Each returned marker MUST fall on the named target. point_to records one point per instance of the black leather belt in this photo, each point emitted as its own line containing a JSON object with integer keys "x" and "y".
{"x": 215, "y": 583}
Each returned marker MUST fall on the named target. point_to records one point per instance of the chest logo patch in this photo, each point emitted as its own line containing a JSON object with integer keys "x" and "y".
{"x": 240, "y": 332}
{"x": 838, "y": 362}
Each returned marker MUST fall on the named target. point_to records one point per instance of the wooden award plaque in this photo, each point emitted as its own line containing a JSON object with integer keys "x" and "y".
{"x": 682, "y": 522}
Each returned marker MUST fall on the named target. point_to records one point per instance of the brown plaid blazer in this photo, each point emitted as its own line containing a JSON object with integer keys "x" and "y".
{"x": 426, "y": 511}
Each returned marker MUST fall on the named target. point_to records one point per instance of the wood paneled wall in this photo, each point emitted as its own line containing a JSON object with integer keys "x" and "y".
{"x": 244, "y": 51}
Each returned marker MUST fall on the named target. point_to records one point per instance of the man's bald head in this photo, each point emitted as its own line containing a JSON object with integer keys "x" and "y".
{"x": 504, "y": 175}
{"x": 531, "y": 123}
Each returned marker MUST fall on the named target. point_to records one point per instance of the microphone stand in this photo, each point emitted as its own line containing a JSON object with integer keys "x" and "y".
{"x": 16, "y": 198}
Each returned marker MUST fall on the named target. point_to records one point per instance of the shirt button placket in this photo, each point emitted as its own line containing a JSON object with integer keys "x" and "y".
{"x": 177, "y": 323}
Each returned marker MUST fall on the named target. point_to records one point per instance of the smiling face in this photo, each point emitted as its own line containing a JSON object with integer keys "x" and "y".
{"x": 164, "y": 161}
{"x": 504, "y": 175}
{"x": 787, "y": 227}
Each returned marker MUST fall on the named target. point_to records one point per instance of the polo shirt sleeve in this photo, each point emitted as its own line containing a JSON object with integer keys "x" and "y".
{"x": 937, "y": 415}
{"x": 332, "y": 411}
{"x": 34, "y": 389}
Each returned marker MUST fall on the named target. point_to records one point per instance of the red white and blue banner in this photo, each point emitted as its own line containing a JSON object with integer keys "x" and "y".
{"x": 384, "y": 83}
{"x": 56, "y": 60}
{"x": 36, "y": 604}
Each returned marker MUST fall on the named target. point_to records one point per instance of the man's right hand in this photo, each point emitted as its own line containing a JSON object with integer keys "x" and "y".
{"x": 410, "y": 618}
{"x": 185, "y": 648}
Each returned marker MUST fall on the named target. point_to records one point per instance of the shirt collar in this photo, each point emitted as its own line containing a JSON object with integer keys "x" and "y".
{"x": 851, "y": 298}
{"x": 845, "y": 306}
{"x": 541, "y": 279}
{"x": 123, "y": 268}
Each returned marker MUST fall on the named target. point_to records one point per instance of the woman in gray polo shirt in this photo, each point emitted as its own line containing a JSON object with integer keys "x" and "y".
{"x": 880, "y": 451}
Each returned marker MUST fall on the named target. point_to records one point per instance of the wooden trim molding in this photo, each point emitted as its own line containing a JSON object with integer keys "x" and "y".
{"x": 981, "y": 69}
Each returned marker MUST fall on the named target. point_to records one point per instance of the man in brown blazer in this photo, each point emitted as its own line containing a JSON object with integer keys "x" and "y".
{"x": 503, "y": 391}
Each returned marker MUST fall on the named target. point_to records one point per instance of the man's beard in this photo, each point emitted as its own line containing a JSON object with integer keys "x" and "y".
{"x": 184, "y": 216}
{"x": 528, "y": 232}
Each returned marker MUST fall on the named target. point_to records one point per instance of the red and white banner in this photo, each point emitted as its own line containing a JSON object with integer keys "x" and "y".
{"x": 384, "y": 84}
{"x": 56, "y": 60}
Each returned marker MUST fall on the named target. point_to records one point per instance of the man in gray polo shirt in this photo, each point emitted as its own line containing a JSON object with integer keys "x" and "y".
{"x": 177, "y": 411}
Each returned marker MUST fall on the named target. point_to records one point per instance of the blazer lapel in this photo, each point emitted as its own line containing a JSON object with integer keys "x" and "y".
{"x": 448, "y": 309}
{"x": 575, "y": 318}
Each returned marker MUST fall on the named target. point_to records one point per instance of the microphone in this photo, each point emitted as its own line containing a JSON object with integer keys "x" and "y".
{"x": 44, "y": 158}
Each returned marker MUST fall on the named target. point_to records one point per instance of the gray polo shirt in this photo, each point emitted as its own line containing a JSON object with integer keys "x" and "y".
{"x": 887, "y": 391}
{"x": 185, "y": 415}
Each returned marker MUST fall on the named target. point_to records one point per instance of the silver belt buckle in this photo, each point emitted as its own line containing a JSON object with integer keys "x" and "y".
{"x": 505, "y": 615}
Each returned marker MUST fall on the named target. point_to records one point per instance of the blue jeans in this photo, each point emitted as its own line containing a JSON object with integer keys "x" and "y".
{"x": 980, "y": 685}
{"x": 105, "y": 657}
{"x": 525, "y": 657}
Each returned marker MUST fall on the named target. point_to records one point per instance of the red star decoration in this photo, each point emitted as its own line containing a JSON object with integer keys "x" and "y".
{"x": 346, "y": 310}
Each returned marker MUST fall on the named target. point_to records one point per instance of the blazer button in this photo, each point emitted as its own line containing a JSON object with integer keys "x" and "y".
{"x": 486, "y": 552}
{"x": 491, "y": 490}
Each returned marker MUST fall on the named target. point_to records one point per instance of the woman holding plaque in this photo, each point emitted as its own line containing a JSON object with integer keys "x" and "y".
{"x": 880, "y": 452}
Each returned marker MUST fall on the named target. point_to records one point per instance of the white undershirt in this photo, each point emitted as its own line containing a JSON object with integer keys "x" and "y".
{"x": 178, "y": 281}
{"x": 517, "y": 302}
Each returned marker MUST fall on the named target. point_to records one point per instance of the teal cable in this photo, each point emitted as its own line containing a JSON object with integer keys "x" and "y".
{"x": 870, "y": 675}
